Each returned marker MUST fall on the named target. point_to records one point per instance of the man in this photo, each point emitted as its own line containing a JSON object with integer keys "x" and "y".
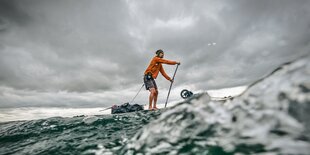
{"x": 151, "y": 73}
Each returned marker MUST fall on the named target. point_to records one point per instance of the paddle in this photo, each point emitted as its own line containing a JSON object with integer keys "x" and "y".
{"x": 171, "y": 84}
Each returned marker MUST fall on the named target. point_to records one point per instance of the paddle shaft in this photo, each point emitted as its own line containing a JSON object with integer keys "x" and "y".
{"x": 171, "y": 85}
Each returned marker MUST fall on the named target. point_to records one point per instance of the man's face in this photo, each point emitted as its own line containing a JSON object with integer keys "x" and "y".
{"x": 161, "y": 55}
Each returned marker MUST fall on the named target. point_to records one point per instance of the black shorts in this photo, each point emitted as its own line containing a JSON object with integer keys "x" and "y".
{"x": 149, "y": 83}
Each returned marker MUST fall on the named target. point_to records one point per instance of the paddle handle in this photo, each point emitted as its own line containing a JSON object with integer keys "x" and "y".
{"x": 171, "y": 85}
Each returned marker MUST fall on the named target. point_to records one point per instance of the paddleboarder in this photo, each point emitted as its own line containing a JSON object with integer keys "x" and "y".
{"x": 151, "y": 73}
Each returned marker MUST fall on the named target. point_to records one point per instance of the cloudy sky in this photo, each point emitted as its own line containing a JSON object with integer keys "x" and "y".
{"x": 76, "y": 53}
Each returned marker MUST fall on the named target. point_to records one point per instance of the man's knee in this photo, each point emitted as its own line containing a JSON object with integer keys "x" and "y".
{"x": 153, "y": 91}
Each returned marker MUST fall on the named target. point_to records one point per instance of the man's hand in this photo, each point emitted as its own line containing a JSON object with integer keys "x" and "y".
{"x": 178, "y": 63}
{"x": 171, "y": 81}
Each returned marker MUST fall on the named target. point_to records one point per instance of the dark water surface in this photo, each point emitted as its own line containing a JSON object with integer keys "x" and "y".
{"x": 271, "y": 117}
{"x": 77, "y": 135}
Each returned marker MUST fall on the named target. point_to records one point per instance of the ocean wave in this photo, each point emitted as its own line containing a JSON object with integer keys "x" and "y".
{"x": 270, "y": 117}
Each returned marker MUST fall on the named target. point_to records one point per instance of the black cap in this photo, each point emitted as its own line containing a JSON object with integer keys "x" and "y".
{"x": 159, "y": 51}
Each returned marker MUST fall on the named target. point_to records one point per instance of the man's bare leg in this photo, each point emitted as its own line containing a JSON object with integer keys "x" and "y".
{"x": 152, "y": 97}
{"x": 155, "y": 100}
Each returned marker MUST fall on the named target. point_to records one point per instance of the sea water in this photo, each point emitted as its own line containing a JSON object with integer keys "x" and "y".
{"x": 271, "y": 117}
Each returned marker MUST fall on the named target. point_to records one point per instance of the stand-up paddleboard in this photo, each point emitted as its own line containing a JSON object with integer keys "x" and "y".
{"x": 129, "y": 108}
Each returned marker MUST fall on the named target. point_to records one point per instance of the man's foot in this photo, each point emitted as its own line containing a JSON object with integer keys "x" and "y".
{"x": 150, "y": 108}
{"x": 155, "y": 108}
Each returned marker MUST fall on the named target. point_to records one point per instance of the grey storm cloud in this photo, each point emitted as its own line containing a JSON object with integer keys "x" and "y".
{"x": 104, "y": 46}
{"x": 262, "y": 33}
{"x": 67, "y": 45}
